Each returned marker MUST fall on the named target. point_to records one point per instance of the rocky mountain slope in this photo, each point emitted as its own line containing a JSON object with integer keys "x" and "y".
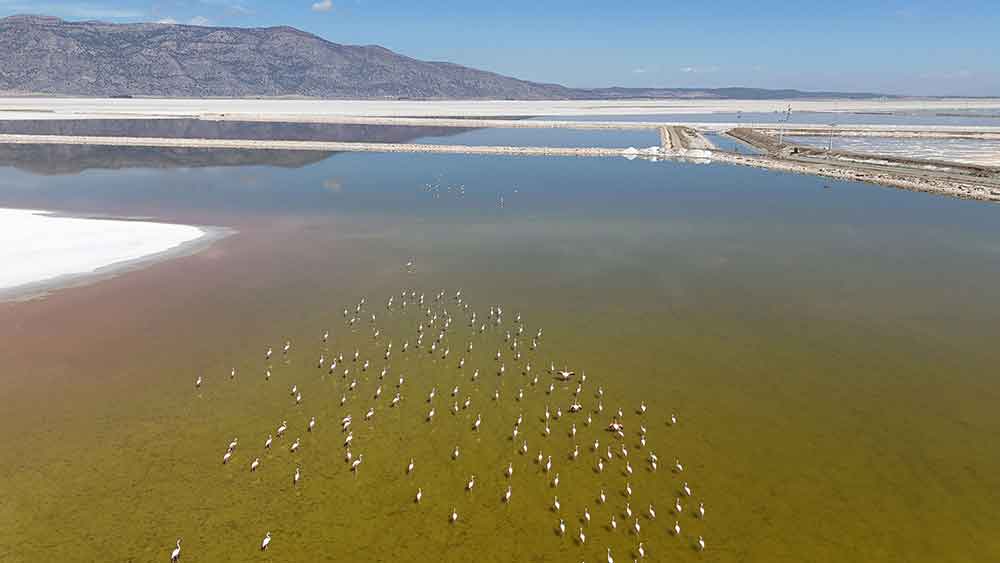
{"x": 46, "y": 55}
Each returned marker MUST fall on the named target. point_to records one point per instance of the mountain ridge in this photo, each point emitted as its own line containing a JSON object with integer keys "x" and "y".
{"x": 48, "y": 55}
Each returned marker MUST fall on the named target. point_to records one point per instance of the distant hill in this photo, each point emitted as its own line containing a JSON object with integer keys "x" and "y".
{"x": 46, "y": 55}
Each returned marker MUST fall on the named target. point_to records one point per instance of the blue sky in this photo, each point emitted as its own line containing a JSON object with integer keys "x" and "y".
{"x": 908, "y": 47}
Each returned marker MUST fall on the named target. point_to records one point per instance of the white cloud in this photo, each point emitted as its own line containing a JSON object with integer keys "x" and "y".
{"x": 699, "y": 69}
{"x": 167, "y": 21}
{"x": 199, "y": 20}
{"x": 322, "y": 6}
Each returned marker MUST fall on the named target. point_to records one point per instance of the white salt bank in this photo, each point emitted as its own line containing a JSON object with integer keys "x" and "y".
{"x": 40, "y": 250}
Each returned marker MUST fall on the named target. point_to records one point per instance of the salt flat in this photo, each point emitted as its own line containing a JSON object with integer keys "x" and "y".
{"x": 82, "y": 108}
{"x": 39, "y": 249}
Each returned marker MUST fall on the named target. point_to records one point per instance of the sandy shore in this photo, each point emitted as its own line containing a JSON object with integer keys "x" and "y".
{"x": 42, "y": 251}
{"x": 82, "y": 108}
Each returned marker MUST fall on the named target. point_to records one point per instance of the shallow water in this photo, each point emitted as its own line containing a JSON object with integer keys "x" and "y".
{"x": 827, "y": 346}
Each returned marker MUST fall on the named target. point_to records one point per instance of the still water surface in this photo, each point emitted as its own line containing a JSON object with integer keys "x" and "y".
{"x": 828, "y": 348}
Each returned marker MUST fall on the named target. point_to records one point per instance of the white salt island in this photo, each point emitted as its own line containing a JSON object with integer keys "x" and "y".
{"x": 40, "y": 250}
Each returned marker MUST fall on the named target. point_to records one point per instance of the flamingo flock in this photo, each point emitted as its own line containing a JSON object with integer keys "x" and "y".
{"x": 448, "y": 321}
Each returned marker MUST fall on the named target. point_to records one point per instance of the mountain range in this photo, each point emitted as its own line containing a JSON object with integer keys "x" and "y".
{"x": 47, "y": 55}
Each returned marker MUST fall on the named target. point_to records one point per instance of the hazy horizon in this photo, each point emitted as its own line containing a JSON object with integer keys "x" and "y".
{"x": 902, "y": 48}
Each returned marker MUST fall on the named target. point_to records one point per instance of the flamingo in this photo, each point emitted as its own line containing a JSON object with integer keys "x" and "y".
{"x": 267, "y": 443}
{"x": 409, "y": 468}
{"x": 356, "y": 463}
{"x": 677, "y": 528}
{"x": 197, "y": 383}
{"x": 642, "y": 551}
{"x": 254, "y": 465}
{"x": 506, "y": 496}
{"x": 701, "y": 543}
{"x": 298, "y": 475}
{"x": 454, "y": 515}
{"x": 420, "y": 495}
{"x": 555, "y": 482}
{"x": 628, "y": 510}
{"x": 510, "y": 470}
{"x": 652, "y": 512}
{"x": 562, "y": 527}
{"x": 175, "y": 555}
{"x": 312, "y": 424}
{"x": 454, "y": 453}
{"x": 225, "y": 458}
{"x": 471, "y": 483}
{"x": 555, "y": 504}
{"x": 677, "y": 506}
{"x": 295, "y": 445}
{"x": 610, "y": 559}
{"x": 636, "y": 526}
{"x": 586, "y": 514}
{"x": 281, "y": 428}
{"x": 266, "y": 542}
{"x": 232, "y": 445}
{"x": 701, "y": 510}
{"x": 686, "y": 489}
{"x": 602, "y": 497}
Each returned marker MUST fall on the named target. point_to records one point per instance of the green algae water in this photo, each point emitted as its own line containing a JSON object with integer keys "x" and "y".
{"x": 827, "y": 348}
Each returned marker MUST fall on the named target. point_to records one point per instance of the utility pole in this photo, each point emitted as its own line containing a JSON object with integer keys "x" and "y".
{"x": 781, "y": 131}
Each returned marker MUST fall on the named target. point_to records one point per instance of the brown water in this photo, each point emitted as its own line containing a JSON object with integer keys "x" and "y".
{"x": 828, "y": 352}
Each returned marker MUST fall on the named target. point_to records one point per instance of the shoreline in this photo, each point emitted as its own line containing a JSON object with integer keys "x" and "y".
{"x": 964, "y": 186}
{"x": 77, "y": 107}
{"x": 44, "y": 287}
